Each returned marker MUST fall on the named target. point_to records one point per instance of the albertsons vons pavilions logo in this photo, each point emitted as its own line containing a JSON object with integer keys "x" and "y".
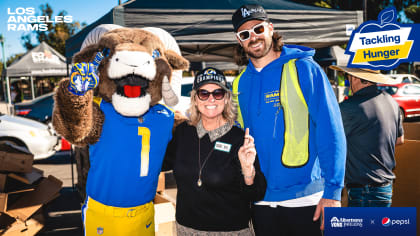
{"x": 381, "y": 44}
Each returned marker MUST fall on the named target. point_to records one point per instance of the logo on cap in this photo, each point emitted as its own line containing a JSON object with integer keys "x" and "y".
{"x": 248, "y": 12}
{"x": 210, "y": 72}
{"x": 245, "y": 12}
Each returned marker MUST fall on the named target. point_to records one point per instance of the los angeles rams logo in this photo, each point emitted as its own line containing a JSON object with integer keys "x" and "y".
{"x": 210, "y": 72}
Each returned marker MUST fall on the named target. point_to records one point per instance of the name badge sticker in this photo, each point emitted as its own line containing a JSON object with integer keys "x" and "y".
{"x": 224, "y": 147}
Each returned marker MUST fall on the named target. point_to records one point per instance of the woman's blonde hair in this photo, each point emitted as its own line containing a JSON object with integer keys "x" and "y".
{"x": 229, "y": 112}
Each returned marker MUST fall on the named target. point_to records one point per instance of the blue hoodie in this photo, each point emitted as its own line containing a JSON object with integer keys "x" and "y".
{"x": 258, "y": 100}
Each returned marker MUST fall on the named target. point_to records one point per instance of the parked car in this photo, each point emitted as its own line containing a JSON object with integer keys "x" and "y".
{"x": 405, "y": 79}
{"x": 407, "y": 97}
{"x": 38, "y": 138}
{"x": 39, "y": 109}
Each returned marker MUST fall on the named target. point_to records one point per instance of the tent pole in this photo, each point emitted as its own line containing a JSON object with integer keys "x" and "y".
{"x": 32, "y": 87}
{"x": 9, "y": 98}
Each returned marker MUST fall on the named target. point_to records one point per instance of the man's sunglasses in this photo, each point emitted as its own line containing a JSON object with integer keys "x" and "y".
{"x": 246, "y": 34}
{"x": 218, "y": 94}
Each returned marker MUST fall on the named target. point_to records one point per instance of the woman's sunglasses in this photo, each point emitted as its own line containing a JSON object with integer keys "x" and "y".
{"x": 218, "y": 94}
{"x": 246, "y": 34}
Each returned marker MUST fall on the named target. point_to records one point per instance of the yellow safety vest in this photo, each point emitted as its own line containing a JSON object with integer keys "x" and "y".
{"x": 296, "y": 116}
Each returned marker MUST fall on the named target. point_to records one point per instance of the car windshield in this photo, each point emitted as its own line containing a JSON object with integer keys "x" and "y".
{"x": 389, "y": 89}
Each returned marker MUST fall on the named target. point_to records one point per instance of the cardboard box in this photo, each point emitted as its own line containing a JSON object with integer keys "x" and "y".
{"x": 411, "y": 130}
{"x": 2, "y": 182}
{"x": 28, "y": 228}
{"x": 32, "y": 201}
{"x": 164, "y": 216}
{"x": 12, "y": 190}
{"x": 5, "y": 198}
{"x": 13, "y": 185}
{"x": 406, "y": 189}
{"x": 15, "y": 159}
{"x": 28, "y": 178}
{"x": 161, "y": 182}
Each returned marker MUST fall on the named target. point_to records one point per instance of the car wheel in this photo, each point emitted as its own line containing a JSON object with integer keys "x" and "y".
{"x": 12, "y": 142}
{"x": 402, "y": 114}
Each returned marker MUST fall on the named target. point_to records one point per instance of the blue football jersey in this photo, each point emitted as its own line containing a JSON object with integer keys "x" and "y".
{"x": 126, "y": 161}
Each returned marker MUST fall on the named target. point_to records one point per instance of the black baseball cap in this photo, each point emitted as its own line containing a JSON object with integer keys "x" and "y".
{"x": 210, "y": 75}
{"x": 247, "y": 13}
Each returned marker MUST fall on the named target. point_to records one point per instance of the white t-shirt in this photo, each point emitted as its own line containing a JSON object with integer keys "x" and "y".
{"x": 310, "y": 200}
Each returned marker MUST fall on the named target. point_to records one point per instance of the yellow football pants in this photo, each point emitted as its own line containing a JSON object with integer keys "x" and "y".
{"x": 100, "y": 219}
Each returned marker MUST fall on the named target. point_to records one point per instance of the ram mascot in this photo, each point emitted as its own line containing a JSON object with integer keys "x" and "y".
{"x": 111, "y": 104}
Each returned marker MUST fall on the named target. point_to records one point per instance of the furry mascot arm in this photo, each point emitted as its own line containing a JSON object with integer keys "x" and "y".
{"x": 76, "y": 117}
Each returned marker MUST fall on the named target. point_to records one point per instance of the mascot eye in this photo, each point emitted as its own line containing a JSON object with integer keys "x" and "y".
{"x": 156, "y": 54}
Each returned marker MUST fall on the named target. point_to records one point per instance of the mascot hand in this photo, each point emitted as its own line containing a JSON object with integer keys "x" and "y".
{"x": 84, "y": 75}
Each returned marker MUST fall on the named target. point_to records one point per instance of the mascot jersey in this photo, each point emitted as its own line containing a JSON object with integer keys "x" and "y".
{"x": 126, "y": 161}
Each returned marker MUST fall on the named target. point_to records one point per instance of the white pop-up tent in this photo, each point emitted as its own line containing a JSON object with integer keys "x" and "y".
{"x": 40, "y": 61}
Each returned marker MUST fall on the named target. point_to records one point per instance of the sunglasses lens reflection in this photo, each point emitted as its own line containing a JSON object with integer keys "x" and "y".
{"x": 218, "y": 94}
{"x": 259, "y": 29}
{"x": 203, "y": 94}
{"x": 244, "y": 35}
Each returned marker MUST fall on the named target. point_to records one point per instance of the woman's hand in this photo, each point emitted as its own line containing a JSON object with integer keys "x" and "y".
{"x": 246, "y": 156}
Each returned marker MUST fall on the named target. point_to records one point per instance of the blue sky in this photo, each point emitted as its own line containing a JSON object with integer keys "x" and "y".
{"x": 82, "y": 10}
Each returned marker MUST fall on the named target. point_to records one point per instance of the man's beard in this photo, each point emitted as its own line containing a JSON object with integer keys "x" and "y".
{"x": 261, "y": 53}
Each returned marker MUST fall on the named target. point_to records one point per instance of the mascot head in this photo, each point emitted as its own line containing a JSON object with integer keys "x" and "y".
{"x": 137, "y": 71}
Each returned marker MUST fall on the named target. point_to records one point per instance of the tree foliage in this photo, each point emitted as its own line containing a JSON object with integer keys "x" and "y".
{"x": 413, "y": 13}
{"x": 10, "y": 60}
{"x": 374, "y": 7}
{"x": 57, "y": 33}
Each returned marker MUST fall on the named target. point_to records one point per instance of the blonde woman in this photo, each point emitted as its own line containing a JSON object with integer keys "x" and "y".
{"x": 214, "y": 163}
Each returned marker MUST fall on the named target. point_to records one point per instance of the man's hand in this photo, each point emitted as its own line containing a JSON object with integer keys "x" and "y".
{"x": 84, "y": 75}
{"x": 320, "y": 209}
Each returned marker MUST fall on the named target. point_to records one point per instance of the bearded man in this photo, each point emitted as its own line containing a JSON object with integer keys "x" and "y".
{"x": 285, "y": 99}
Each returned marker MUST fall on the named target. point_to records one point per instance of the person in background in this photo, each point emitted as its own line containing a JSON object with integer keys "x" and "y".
{"x": 16, "y": 93}
{"x": 286, "y": 100}
{"x": 214, "y": 163}
{"x": 373, "y": 127}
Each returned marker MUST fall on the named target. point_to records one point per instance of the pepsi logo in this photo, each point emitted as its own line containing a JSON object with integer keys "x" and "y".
{"x": 386, "y": 221}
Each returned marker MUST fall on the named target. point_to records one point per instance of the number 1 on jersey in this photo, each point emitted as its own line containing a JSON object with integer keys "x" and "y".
{"x": 145, "y": 149}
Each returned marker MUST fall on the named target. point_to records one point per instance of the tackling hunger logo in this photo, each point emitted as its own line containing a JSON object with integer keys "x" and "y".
{"x": 381, "y": 44}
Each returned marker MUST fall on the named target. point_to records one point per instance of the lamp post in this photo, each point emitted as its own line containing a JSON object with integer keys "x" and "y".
{"x": 9, "y": 100}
